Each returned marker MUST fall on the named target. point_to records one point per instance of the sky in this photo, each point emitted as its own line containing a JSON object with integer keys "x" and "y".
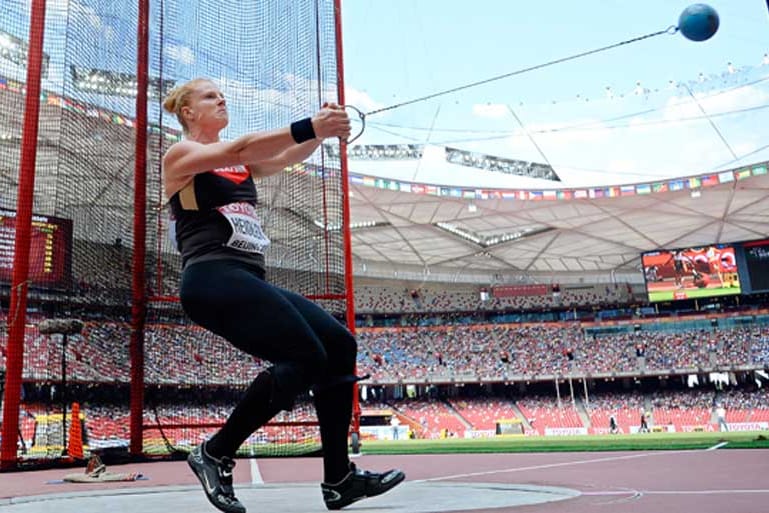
{"x": 658, "y": 108}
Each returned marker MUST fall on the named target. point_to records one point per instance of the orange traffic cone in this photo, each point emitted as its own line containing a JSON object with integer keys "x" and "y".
{"x": 75, "y": 447}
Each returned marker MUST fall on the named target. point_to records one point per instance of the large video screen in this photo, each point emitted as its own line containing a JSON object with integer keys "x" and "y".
{"x": 691, "y": 273}
{"x": 50, "y": 262}
{"x": 757, "y": 263}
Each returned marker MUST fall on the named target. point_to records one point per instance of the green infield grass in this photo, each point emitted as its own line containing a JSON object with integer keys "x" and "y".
{"x": 513, "y": 443}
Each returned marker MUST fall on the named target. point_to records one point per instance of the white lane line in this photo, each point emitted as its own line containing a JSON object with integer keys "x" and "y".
{"x": 702, "y": 492}
{"x": 256, "y": 476}
{"x": 552, "y": 465}
{"x": 717, "y": 446}
{"x": 676, "y": 492}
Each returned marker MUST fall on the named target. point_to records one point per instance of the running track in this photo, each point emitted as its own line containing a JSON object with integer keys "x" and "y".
{"x": 735, "y": 481}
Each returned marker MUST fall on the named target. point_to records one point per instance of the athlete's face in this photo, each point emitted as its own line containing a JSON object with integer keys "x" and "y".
{"x": 207, "y": 107}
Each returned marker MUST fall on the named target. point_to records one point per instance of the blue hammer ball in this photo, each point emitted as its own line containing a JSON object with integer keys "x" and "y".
{"x": 698, "y": 22}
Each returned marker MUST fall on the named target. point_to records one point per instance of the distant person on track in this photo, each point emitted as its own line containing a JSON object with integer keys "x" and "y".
{"x": 613, "y": 428}
{"x": 644, "y": 427}
{"x": 721, "y": 417}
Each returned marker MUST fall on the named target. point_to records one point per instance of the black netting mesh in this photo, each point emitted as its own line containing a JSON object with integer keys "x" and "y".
{"x": 275, "y": 62}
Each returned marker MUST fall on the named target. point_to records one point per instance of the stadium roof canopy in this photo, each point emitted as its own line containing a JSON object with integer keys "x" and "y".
{"x": 549, "y": 231}
{"x": 422, "y": 231}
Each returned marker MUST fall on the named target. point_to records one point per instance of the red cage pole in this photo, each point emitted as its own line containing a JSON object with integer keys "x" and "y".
{"x": 348, "y": 281}
{"x": 17, "y": 314}
{"x": 139, "y": 299}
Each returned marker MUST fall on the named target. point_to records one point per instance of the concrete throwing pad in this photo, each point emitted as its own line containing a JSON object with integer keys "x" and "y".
{"x": 409, "y": 497}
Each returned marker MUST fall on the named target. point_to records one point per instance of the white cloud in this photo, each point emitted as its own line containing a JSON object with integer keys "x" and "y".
{"x": 682, "y": 107}
{"x": 183, "y": 54}
{"x": 490, "y": 110}
{"x": 361, "y": 100}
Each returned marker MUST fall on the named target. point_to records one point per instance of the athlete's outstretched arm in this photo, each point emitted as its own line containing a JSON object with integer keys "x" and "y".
{"x": 293, "y": 155}
{"x": 188, "y": 158}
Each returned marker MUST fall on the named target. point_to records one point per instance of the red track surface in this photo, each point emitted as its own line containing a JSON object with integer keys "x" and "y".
{"x": 736, "y": 481}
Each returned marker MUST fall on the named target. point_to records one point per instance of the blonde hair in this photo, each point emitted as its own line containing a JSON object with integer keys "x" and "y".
{"x": 179, "y": 97}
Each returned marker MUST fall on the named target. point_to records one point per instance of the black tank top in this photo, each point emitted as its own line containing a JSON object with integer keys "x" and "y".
{"x": 208, "y": 211}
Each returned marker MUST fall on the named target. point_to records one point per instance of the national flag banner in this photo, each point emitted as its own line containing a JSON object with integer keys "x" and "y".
{"x": 580, "y": 194}
{"x": 742, "y": 174}
{"x": 356, "y": 179}
{"x": 565, "y": 194}
{"x": 627, "y": 190}
{"x": 759, "y": 170}
{"x": 469, "y": 194}
{"x": 369, "y": 181}
{"x": 379, "y": 183}
{"x": 393, "y": 185}
{"x": 660, "y": 187}
{"x": 643, "y": 188}
{"x": 417, "y": 188}
{"x": 496, "y": 194}
{"x": 444, "y": 191}
{"x": 726, "y": 176}
{"x": 432, "y": 190}
{"x": 404, "y": 186}
{"x": 455, "y": 193}
{"x": 695, "y": 182}
{"x": 508, "y": 195}
{"x": 709, "y": 180}
{"x": 677, "y": 185}
{"x": 523, "y": 195}
{"x": 3, "y": 84}
{"x": 549, "y": 195}
{"x": 535, "y": 195}
{"x": 597, "y": 193}
{"x": 479, "y": 194}
{"x": 613, "y": 192}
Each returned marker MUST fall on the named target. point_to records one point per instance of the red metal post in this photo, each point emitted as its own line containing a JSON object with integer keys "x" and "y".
{"x": 17, "y": 314}
{"x": 139, "y": 300}
{"x": 348, "y": 279}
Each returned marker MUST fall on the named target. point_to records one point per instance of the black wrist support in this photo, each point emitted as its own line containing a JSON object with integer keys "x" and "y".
{"x": 302, "y": 130}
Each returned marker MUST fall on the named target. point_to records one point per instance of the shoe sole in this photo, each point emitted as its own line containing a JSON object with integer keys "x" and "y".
{"x": 386, "y": 488}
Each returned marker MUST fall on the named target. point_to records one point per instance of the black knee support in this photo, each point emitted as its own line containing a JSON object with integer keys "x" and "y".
{"x": 288, "y": 381}
{"x": 333, "y": 381}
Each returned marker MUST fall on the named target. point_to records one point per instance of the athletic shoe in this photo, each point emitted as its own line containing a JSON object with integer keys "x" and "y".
{"x": 357, "y": 485}
{"x": 216, "y": 477}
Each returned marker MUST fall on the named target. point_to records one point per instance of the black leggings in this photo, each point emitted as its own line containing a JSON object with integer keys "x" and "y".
{"x": 232, "y": 299}
{"x": 305, "y": 343}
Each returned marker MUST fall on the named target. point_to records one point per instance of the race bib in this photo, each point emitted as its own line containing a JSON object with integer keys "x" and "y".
{"x": 247, "y": 234}
{"x": 172, "y": 232}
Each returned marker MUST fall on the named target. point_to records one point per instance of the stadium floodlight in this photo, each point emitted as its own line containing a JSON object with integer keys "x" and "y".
{"x": 15, "y": 50}
{"x": 501, "y": 165}
{"x": 487, "y": 241}
{"x": 115, "y": 84}
{"x": 335, "y": 227}
{"x": 378, "y": 151}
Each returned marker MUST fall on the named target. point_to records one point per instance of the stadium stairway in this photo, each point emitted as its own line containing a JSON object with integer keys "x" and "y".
{"x": 414, "y": 426}
{"x": 458, "y": 415}
{"x": 582, "y": 412}
{"x": 519, "y": 414}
